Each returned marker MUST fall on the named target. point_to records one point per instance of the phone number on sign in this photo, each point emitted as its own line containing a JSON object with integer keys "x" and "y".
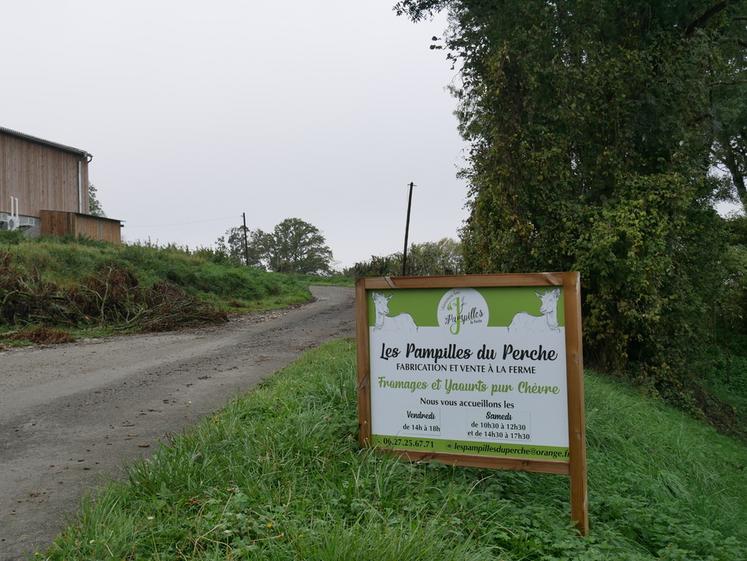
{"x": 408, "y": 442}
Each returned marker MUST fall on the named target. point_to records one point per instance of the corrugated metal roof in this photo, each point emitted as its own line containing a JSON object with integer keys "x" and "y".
{"x": 43, "y": 142}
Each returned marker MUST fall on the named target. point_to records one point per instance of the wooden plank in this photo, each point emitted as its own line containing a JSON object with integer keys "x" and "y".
{"x": 55, "y": 223}
{"x": 84, "y": 169}
{"x": 45, "y": 220}
{"x": 576, "y": 422}
{"x": 466, "y": 281}
{"x": 364, "y": 365}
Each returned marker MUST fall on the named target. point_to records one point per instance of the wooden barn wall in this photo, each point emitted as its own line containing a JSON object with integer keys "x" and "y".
{"x": 97, "y": 228}
{"x": 40, "y": 176}
{"x": 84, "y": 183}
{"x": 58, "y": 223}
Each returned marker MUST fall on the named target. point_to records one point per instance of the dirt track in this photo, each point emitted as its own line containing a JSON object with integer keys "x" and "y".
{"x": 72, "y": 416}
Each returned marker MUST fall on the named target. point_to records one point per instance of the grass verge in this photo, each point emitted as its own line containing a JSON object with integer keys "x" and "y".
{"x": 328, "y": 280}
{"x": 278, "y": 475}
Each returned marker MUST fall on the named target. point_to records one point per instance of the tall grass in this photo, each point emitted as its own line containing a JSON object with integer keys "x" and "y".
{"x": 278, "y": 475}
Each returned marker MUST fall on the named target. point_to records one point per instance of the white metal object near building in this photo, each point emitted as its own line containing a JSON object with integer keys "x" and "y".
{"x": 11, "y": 221}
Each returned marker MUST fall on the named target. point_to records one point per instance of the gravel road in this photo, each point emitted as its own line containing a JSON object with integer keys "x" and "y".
{"x": 73, "y": 416}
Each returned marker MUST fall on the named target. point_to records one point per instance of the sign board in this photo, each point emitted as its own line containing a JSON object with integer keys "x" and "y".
{"x": 477, "y": 370}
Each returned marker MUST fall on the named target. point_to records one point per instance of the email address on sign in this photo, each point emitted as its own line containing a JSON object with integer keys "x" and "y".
{"x": 510, "y": 450}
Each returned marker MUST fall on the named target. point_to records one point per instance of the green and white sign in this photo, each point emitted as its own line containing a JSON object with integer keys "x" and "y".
{"x": 469, "y": 371}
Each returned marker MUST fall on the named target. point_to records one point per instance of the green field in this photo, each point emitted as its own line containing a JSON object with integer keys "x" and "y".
{"x": 279, "y": 475}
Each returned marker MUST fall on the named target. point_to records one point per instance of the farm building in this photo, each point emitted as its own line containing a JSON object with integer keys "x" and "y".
{"x": 44, "y": 189}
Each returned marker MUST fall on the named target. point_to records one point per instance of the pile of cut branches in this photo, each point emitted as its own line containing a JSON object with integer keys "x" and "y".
{"x": 112, "y": 296}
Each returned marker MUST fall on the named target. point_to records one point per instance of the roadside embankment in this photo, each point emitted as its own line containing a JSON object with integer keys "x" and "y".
{"x": 88, "y": 288}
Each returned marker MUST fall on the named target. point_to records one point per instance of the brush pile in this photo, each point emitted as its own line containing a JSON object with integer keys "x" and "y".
{"x": 112, "y": 296}
{"x": 40, "y": 335}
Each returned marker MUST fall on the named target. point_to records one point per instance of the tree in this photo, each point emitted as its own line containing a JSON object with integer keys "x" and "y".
{"x": 729, "y": 101}
{"x": 730, "y": 150}
{"x": 94, "y": 206}
{"x": 232, "y": 245}
{"x": 443, "y": 257}
{"x": 296, "y": 246}
{"x": 591, "y": 130}
{"x": 377, "y": 266}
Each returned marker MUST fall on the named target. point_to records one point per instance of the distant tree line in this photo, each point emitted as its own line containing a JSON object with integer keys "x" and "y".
{"x": 443, "y": 257}
{"x": 293, "y": 246}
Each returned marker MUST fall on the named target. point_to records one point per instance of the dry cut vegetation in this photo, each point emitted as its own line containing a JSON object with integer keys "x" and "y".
{"x": 112, "y": 295}
{"x": 50, "y": 288}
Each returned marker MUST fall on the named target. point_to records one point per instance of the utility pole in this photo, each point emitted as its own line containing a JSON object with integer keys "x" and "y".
{"x": 246, "y": 244}
{"x": 407, "y": 230}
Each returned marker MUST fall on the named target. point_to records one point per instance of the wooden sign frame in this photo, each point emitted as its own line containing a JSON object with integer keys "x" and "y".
{"x": 575, "y": 466}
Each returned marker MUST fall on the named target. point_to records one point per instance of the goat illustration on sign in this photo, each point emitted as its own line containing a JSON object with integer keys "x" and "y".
{"x": 548, "y": 321}
{"x": 400, "y": 322}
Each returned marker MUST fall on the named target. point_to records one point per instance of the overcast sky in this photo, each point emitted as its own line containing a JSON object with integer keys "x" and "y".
{"x": 196, "y": 111}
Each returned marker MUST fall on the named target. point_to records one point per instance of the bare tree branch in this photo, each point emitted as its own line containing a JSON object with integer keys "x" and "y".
{"x": 703, "y": 19}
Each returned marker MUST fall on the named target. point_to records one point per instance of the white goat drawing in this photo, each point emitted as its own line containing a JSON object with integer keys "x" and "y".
{"x": 524, "y": 322}
{"x": 401, "y": 322}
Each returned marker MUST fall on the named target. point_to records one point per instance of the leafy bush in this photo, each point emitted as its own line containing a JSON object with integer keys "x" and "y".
{"x": 11, "y": 237}
{"x": 733, "y": 307}
{"x": 650, "y": 260}
{"x": 591, "y": 128}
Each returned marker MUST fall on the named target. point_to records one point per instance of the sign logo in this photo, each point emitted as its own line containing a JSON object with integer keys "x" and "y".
{"x": 462, "y": 308}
